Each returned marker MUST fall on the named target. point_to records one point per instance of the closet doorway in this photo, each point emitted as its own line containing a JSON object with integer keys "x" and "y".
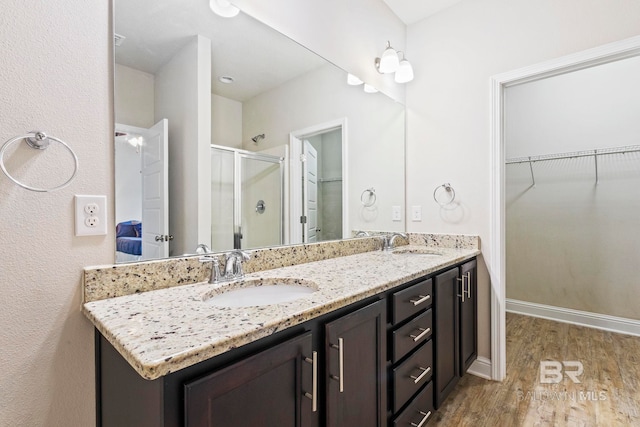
{"x": 602, "y": 56}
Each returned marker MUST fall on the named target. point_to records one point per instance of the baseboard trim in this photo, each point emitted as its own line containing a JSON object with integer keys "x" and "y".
{"x": 481, "y": 367}
{"x": 576, "y": 317}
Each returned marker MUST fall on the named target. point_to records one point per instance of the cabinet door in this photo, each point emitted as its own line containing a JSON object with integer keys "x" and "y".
{"x": 355, "y": 368}
{"x": 267, "y": 389}
{"x": 445, "y": 334}
{"x": 468, "y": 315}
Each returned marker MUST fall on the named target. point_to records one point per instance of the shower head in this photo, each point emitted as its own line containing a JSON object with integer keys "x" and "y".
{"x": 257, "y": 138}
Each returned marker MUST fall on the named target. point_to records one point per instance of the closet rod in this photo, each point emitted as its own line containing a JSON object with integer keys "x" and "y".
{"x": 590, "y": 153}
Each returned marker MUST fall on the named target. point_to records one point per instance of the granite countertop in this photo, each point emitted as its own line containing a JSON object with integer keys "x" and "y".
{"x": 162, "y": 331}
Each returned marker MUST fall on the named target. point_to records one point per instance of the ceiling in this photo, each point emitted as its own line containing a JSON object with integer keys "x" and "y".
{"x": 256, "y": 56}
{"x": 412, "y": 11}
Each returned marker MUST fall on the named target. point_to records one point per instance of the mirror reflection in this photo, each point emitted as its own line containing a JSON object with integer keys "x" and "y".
{"x": 231, "y": 135}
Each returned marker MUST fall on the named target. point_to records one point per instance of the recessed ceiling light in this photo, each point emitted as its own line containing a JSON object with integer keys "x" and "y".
{"x": 226, "y": 79}
{"x": 223, "y": 8}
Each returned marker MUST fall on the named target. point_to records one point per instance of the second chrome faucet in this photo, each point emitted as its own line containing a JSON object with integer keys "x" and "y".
{"x": 233, "y": 266}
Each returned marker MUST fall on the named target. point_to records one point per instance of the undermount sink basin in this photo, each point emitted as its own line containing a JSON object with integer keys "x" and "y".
{"x": 259, "y": 292}
{"x": 416, "y": 251}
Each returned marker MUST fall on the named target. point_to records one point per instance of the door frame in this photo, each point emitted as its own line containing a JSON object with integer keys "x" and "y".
{"x": 615, "y": 51}
{"x": 295, "y": 172}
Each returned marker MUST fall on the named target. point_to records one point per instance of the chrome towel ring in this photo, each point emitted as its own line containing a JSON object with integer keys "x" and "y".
{"x": 370, "y": 199}
{"x": 444, "y": 194}
{"x": 39, "y": 141}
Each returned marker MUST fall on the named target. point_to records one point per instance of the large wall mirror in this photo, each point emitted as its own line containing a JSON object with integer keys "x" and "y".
{"x": 231, "y": 135}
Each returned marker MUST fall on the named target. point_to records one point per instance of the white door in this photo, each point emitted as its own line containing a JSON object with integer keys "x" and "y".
{"x": 310, "y": 189}
{"x": 155, "y": 189}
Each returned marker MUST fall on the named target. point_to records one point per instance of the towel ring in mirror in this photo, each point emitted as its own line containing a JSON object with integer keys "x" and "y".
{"x": 368, "y": 197}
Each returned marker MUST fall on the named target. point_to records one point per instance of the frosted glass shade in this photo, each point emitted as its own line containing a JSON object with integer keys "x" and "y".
{"x": 389, "y": 61}
{"x": 404, "y": 73}
{"x": 223, "y": 8}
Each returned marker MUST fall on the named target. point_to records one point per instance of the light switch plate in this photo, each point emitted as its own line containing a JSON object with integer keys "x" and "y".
{"x": 416, "y": 213}
{"x": 396, "y": 213}
{"x": 91, "y": 215}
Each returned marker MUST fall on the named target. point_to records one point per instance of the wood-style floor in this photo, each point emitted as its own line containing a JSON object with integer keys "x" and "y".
{"x": 608, "y": 393}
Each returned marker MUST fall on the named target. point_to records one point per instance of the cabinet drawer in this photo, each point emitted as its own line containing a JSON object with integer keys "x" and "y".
{"x": 411, "y": 335}
{"x": 412, "y": 374}
{"x": 419, "y": 412}
{"x": 411, "y": 300}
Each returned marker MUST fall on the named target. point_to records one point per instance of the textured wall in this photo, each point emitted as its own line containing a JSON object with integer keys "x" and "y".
{"x": 54, "y": 76}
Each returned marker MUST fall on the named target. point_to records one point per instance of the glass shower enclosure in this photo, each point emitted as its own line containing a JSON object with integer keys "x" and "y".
{"x": 247, "y": 199}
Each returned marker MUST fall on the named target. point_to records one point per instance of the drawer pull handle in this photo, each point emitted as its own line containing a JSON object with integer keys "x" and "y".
{"x": 314, "y": 382}
{"x": 425, "y": 371}
{"x": 422, "y": 333}
{"x": 424, "y": 420}
{"x": 422, "y": 299}
{"x": 340, "y": 348}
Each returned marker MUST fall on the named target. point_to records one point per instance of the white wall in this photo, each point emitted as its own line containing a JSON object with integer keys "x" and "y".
{"x": 572, "y": 243}
{"x": 454, "y": 54}
{"x": 134, "y": 97}
{"x": 588, "y": 109}
{"x": 375, "y": 126}
{"x": 350, "y": 34}
{"x": 54, "y": 76}
{"x": 183, "y": 96}
{"x": 226, "y": 121}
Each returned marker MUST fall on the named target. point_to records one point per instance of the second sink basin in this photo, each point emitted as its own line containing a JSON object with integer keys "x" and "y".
{"x": 259, "y": 292}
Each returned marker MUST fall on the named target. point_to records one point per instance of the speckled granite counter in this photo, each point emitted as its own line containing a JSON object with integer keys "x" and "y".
{"x": 164, "y": 330}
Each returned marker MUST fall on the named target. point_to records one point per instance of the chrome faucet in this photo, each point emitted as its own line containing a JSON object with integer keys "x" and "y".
{"x": 388, "y": 240}
{"x": 362, "y": 233}
{"x": 233, "y": 267}
{"x": 203, "y": 249}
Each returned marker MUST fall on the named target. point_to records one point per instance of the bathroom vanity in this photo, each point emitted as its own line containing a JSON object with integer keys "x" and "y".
{"x": 381, "y": 341}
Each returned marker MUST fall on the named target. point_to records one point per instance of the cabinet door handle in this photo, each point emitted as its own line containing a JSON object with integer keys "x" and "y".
{"x": 425, "y": 371}
{"x": 462, "y": 293}
{"x": 424, "y": 420}
{"x": 422, "y": 333}
{"x": 422, "y": 299}
{"x": 468, "y": 284}
{"x": 340, "y": 378}
{"x": 314, "y": 381}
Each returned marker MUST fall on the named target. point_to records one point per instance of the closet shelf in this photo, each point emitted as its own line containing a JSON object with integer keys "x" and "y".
{"x": 589, "y": 153}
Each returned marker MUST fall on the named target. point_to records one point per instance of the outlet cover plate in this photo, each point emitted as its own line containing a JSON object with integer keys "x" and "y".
{"x": 99, "y": 218}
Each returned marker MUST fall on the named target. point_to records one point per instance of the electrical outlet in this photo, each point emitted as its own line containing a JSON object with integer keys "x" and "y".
{"x": 91, "y": 215}
{"x": 416, "y": 213}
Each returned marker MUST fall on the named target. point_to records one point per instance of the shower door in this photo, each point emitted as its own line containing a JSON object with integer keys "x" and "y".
{"x": 246, "y": 199}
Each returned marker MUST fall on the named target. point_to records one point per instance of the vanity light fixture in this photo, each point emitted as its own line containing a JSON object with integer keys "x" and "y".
{"x": 223, "y": 8}
{"x": 389, "y": 62}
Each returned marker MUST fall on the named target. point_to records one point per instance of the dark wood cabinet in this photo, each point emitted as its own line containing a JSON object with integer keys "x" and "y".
{"x": 267, "y": 389}
{"x": 455, "y": 327}
{"x": 468, "y": 315}
{"x": 446, "y": 335}
{"x": 355, "y": 349}
{"x": 359, "y": 379}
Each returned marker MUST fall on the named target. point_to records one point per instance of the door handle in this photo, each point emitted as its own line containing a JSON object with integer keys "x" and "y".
{"x": 340, "y": 348}
{"x": 314, "y": 381}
